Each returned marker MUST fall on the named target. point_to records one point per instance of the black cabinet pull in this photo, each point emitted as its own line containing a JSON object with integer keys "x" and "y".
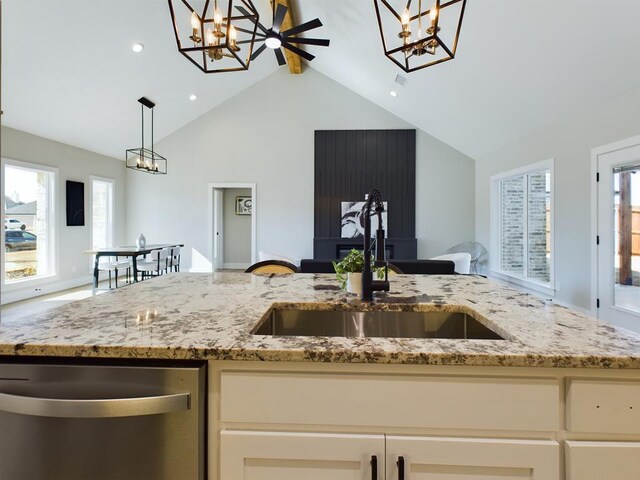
{"x": 400, "y": 464}
{"x": 374, "y": 467}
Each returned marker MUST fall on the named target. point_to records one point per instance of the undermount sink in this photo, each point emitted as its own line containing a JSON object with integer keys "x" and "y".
{"x": 287, "y": 321}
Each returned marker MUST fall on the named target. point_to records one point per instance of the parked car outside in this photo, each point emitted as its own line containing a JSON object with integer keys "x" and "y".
{"x": 18, "y": 240}
{"x": 14, "y": 224}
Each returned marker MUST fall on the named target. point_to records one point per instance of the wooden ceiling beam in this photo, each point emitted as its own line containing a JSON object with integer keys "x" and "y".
{"x": 294, "y": 62}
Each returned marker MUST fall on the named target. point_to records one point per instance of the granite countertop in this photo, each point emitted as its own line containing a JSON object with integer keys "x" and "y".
{"x": 205, "y": 316}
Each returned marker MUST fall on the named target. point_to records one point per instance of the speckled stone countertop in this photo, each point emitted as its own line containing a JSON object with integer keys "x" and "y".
{"x": 203, "y": 316}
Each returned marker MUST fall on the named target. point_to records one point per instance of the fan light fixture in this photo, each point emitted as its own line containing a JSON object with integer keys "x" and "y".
{"x": 274, "y": 38}
{"x": 418, "y": 38}
{"x": 221, "y": 33}
{"x": 273, "y": 42}
{"x": 143, "y": 159}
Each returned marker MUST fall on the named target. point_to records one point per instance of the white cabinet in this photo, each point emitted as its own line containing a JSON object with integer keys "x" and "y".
{"x": 427, "y": 401}
{"x": 443, "y": 458}
{"x": 250, "y": 455}
{"x": 602, "y": 460}
{"x": 597, "y": 406}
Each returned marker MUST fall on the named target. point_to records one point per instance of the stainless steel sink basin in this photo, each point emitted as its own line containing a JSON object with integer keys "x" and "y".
{"x": 285, "y": 322}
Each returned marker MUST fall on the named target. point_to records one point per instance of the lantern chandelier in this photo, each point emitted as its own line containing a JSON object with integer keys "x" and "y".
{"x": 415, "y": 38}
{"x": 221, "y": 34}
{"x": 142, "y": 159}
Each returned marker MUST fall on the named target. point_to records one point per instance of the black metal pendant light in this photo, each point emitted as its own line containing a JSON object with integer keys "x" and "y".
{"x": 142, "y": 159}
{"x": 215, "y": 35}
{"x": 419, "y": 33}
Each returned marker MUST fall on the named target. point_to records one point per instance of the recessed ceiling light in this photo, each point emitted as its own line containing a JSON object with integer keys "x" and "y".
{"x": 393, "y": 93}
{"x": 137, "y": 47}
{"x": 193, "y": 97}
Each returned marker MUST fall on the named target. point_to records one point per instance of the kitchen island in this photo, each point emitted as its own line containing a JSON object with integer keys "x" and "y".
{"x": 557, "y": 398}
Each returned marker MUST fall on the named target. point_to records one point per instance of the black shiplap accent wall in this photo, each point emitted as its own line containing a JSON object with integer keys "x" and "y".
{"x": 350, "y": 163}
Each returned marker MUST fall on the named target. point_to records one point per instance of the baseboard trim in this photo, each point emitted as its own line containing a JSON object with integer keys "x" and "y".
{"x": 42, "y": 289}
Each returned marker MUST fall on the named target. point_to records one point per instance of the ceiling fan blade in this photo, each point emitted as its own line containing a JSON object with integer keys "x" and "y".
{"x": 250, "y": 32}
{"x": 310, "y": 25}
{"x": 280, "y": 57}
{"x": 299, "y": 52}
{"x": 244, "y": 12}
{"x": 309, "y": 41}
{"x": 258, "y": 51}
{"x": 278, "y": 18}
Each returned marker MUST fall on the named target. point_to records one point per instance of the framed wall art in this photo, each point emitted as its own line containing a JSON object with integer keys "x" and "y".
{"x": 243, "y": 206}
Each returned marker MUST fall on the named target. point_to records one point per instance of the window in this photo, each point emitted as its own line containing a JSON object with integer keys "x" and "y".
{"x": 29, "y": 222}
{"x": 102, "y": 212}
{"x": 522, "y": 218}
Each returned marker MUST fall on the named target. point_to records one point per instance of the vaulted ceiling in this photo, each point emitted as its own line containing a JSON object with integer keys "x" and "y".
{"x": 68, "y": 72}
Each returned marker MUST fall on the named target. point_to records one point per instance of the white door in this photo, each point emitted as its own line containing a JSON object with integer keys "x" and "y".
{"x": 300, "y": 456}
{"x": 618, "y": 210}
{"x": 444, "y": 458}
{"x": 603, "y": 460}
{"x": 218, "y": 223}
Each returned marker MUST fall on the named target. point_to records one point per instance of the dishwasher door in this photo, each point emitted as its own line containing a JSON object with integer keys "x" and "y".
{"x": 97, "y": 422}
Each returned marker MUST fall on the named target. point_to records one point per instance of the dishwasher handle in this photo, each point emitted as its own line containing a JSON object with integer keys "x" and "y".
{"x": 98, "y": 408}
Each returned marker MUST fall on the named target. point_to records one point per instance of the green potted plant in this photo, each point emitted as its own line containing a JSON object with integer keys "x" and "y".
{"x": 349, "y": 271}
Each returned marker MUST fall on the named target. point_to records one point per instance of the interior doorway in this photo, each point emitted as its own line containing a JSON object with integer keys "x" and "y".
{"x": 617, "y": 219}
{"x": 232, "y": 209}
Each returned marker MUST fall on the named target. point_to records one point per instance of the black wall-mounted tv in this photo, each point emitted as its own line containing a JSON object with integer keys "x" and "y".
{"x": 75, "y": 204}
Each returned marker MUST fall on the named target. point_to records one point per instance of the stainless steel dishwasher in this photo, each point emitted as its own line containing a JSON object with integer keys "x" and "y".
{"x": 102, "y": 422}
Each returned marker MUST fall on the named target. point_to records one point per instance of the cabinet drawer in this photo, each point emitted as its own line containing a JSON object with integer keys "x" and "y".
{"x": 603, "y": 460}
{"x": 398, "y": 401}
{"x": 431, "y": 458}
{"x": 603, "y": 406}
{"x": 296, "y": 456}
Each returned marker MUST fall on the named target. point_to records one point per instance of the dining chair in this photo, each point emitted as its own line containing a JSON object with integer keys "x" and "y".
{"x": 111, "y": 264}
{"x": 174, "y": 259}
{"x": 154, "y": 264}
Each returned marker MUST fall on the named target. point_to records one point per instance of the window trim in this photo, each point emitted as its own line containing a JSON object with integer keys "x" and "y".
{"x": 495, "y": 221}
{"x": 54, "y": 217}
{"x": 111, "y": 181}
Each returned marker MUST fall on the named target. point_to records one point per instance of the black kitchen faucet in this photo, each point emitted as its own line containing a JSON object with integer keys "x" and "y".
{"x": 369, "y": 285}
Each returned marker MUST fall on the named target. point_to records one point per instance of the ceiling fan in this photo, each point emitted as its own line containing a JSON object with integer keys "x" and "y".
{"x": 273, "y": 38}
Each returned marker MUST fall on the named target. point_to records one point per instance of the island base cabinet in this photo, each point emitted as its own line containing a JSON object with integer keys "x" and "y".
{"x": 603, "y": 460}
{"x": 442, "y": 458}
{"x": 296, "y": 456}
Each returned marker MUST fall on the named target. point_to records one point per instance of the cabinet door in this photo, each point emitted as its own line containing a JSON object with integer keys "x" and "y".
{"x": 440, "y": 458}
{"x": 295, "y": 456}
{"x": 603, "y": 460}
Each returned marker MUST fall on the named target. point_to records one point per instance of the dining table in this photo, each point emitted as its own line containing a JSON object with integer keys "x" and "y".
{"x": 131, "y": 251}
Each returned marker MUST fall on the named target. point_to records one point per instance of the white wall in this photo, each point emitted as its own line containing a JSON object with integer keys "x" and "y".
{"x": 266, "y": 135}
{"x": 72, "y": 164}
{"x": 236, "y": 230}
{"x": 570, "y": 143}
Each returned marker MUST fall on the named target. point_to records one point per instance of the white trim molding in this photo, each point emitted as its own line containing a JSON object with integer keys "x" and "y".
{"x": 54, "y": 226}
{"x": 210, "y": 214}
{"x": 42, "y": 286}
{"x": 494, "y": 216}
{"x": 595, "y": 153}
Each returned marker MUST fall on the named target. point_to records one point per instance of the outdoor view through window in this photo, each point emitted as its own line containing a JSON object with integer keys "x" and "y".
{"x": 626, "y": 185}
{"x": 525, "y": 226}
{"x": 28, "y": 223}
